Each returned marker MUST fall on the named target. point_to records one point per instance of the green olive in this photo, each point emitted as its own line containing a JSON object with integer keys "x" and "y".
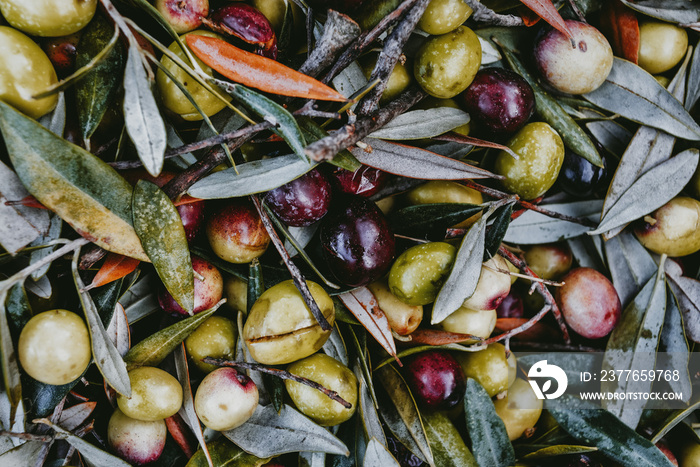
{"x": 417, "y": 274}
{"x": 549, "y": 261}
{"x": 673, "y": 229}
{"x": 661, "y": 46}
{"x": 155, "y": 395}
{"x": 24, "y": 71}
{"x": 689, "y": 455}
{"x": 446, "y": 65}
{"x": 479, "y": 323}
{"x": 280, "y": 327}
{"x": 48, "y": 18}
{"x": 173, "y": 97}
{"x": 434, "y": 103}
{"x": 397, "y": 83}
{"x": 236, "y": 293}
{"x": 216, "y": 337}
{"x": 443, "y": 16}
{"x": 541, "y": 154}
{"x": 331, "y": 374}
{"x": 403, "y": 318}
{"x": 54, "y": 347}
{"x": 274, "y": 11}
{"x": 444, "y": 191}
{"x": 489, "y": 367}
{"x": 520, "y": 409}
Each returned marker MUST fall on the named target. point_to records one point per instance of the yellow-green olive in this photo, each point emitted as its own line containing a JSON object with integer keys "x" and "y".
{"x": 225, "y": 399}
{"x": 174, "y": 99}
{"x": 417, "y": 274}
{"x": 493, "y": 285}
{"x": 520, "y": 409}
{"x": 274, "y": 11}
{"x": 236, "y": 293}
{"x": 155, "y": 395}
{"x": 54, "y": 347}
{"x": 398, "y": 81}
{"x": 216, "y": 337}
{"x": 48, "y": 18}
{"x": 479, "y": 323}
{"x": 446, "y": 65}
{"x": 443, "y": 16}
{"x": 434, "y": 103}
{"x": 280, "y": 327}
{"x": 689, "y": 455}
{"x": 512, "y": 368}
{"x": 445, "y": 191}
{"x": 489, "y": 367}
{"x": 24, "y": 71}
{"x": 513, "y": 270}
{"x": 540, "y": 153}
{"x": 549, "y": 261}
{"x": 673, "y": 229}
{"x": 403, "y": 318}
{"x": 661, "y": 46}
{"x": 331, "y": 374}
{"x": 386, "y": 205}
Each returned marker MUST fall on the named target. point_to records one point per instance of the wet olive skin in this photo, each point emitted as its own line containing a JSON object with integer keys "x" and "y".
{"x": 519, "y": 410}
{"x": 364, "y": 182}
{"x": 155, "y": 395}
{"x": 418, "y": 273}
{"x": 436, "y": 379}
{"x": 661, "y": 46}
{"x": 443, "y": 16}
{"x": 303, "y": 201}
{"x": 48, "y": 18}
{"x": 580, "y": 178}
{"x": 489, "y": 367}
{"x": 136, "y": 441}
{"x": 357, "y": 242}
{"x": 673, "y": 229}
{"x": 236, "y": 233}
{"x": 549, "y": 261}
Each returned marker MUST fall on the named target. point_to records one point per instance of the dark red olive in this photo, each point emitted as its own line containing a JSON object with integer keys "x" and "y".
{"x": 580, "y": 178}
{"x": 511, "y": 306}
{"x": 499, "y": 100}
{"x": 357, "y": 243}
{"x": 206, "y": 293}
{"x": 62, "y": 52}
{"x": 246, "y": 23}
{"x": 436, "y": 379}
{"x": 192, "y": 215}
{"x": 302, "y": 201}
{"x": 365, "y": 181}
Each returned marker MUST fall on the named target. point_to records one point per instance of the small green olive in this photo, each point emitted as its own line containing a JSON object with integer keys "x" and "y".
{"x": 673, "y": 229}
{"x": 403, "y": 318}
{"x": 417, "y": 274}
{"x": 489, "y": 367}
{"x": 48, "y": 18}
{"x": 493, "y": 285}
{"x": 443, "y": 16}
{"x": 54, "y": 347}
{"x": 444, "y": 191}
{"x": 398, "y": 81}
{"x": 24, "y": 71}
{"x": 520, "y": 409}
{"x": 155, "y": 395}
{"x": 274, "y": 11}
{"x": 661, "y": 46}
{"x": 236, "y": 293}
{"x": 549, "y": 261}
{"x": 216, "y": 337}
{"x": 541, "y": 154}
{"x": 446, "y": 65}
{"x": 479, "y": 323}
{"x": 280, "y": 327}
{"x": 174, "y": 99}
{"x": 331, "y": 374}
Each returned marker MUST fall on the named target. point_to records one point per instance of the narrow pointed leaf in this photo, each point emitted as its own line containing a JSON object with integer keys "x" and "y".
{"x": 24, "y": 455}
{"x": 377, "y": 455}
{"x": 687, "y": 293}
{"x": 674, "y": 346}
{"x": 631, "y": 266}
{"x": 72, "y": 417}
{"x": 693, "y": 93}
{"x": 368, "y": 411}
{"x": 446, "y": 442}
{"x": 548, "y": 12}
{"x": 559, "y": 450}
{"x": 364, "y": 306}
{"x": 417, "y": 124}
{"x": 675, "y": 11}
{"x": 674, "y": 418}
{"x": 10, "y": 366}
{"x": 53, "y": 233}
{"x": 431, "y": 218}
{"x": 226, "y": 454}
{"x": 115, "y": 267}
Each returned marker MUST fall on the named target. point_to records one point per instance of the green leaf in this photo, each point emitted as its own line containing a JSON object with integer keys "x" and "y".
{"x": 225, "y": 454}
{"x": 418, "y": 124}
{"x": 631, "y": 265}
{"x": 497, "y": 231}
{"x": 535, "y": 228}
{"x": 431, "y": 218}
{"x": 83, "y": 190}
{"x": 446, "y": 443}
{"x": 602, "y": 429}
{"x": 673, "y": 419}
{"x": 490, "y": 443}
{"x": 559, "y": 450}
{"x": 673, "y": 347}
{"x": 377, "y": 455}
{"x": 19, "y": 311}
{"x": 10, "y": 366}
{"x": 158, "y": 225}
{"x": 675, "y": 11}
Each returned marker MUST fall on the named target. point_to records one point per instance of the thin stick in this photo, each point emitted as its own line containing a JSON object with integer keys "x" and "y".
{"x": 27, "y": 436}
{"x": 485, "y": 15}
{"x": 522, "y": 328}
{"x": 338, "y": 32}
{"x": 282, "y": 374}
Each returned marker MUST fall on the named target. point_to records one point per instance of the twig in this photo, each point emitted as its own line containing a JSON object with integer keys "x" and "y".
{"x": 338, "y": 32}
{"x": 27, "y": 436}
{"x": 485, "y": 15}
{"x": 577, "y": 11}
{"x": 522, "y": 328}
{"x": 282, "y": 374}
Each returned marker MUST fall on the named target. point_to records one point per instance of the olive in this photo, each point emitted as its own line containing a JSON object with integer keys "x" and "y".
{"x": 274, "y": 11}
{"x": 174, "y": 99}
{"x": 280, "y": 327}
{"x": 511, "y": 306}
{"x": 216, "y": 337}
{"x": 54, "y": 347}
{"x": 136, "y": 441}
{"x": 519, "y": 410}
{"x": 246, "y": 23}
{"x": 479, "y": 323}
{"x": 225, "y": 399}
{"x": 589, "y": 303}
{"x": 48, "y": 18}
{"x": 499, "y": 100}
{"x": 444, "y": 191}
{"x": 446, "y": 65}
{"x": 493, "y": 285}
{"x": 331, "y": 374}
{"x": 418, "y": 273}
{"x": 236, "y": 293}
{"x": 580, "y": 178}
{"x": 62, "y": 52}
{"x": 661, "y": 46}
{"x": 24, "y": 71}
{"x": 689, "y": 455}
{"x": 540, "y": 153}
{"x": 398, "y": 80}
{"x": 403, "y": 318}
{"x": 489, "y": 367}
{"x": 663, "y": 447}
{"x": 155, "y": 395}
{"x": 236, "y": 233}
{"x": 357, "y": 242}
{"x": 183, "y": 15}
{"x": 574, "y": 70}
{"x": 436, "y": 379}
{"x": 443, "y": 16}
{"x": 303, "y": 201}
{"x": 673, "y": 229}
{"x": 549, "y": 261}
{"x": 365, "y": 181}
{"x": 207, "y": 292}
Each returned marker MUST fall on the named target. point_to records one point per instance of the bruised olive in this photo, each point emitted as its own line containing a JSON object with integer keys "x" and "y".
{"x": 661, "y": 46}
{"x": 493, "y": 285}
{"x": 280, "y": 327}
{"x": 303, "y": 201}
{"x": 399, "y": 79}
{"x": 436, "y": 379}
{"x": 155, "y": 395}
{"x": 136, "y": 441}
{"x": 331, "y": 374}
{"x": 443, "y": 16}
{"x": 403, "y": 318}
{"x": 519, "y": 410}
{"x": 364, "y": 181}
{"x": 673, "y": 229}
{"x": 549, "y": 261}
{"x": 418, "y": 273}
{"x": 216, "y": 337}
{"x": 225, "y": 399}
{"x": 207, "y": 292}
{"x": 48, "y": 18}
{"x": 183, "y": 15}
{"x": 236, "y": 233}
{"x": 479, "y": 323}
{"x": 489, "y": 367}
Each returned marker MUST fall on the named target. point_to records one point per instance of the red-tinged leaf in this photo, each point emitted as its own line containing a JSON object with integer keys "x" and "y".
{"x": 621, "y": 27}
{"x": 186, "y": 199}
{"x": 181, "y": 434}
{"x": 538, "y": 331}
{"x": 115, "y": 267}
{"x": 437, "y": 337}
{"x": 546, "y": 10}
{"x": 258, "y": 72}
{"x": 28, "y": 201}
{"x": 364, "y": 306}
{"x": 528, "y": 16}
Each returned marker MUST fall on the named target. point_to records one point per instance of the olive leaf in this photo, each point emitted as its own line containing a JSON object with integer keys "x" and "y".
{"x": 313, "y": 459}
{"x": 651, "y": 191}
{"x": 487, "y": 432}
{"x": 53, "y": 233}
{"x": 687, "y": 293}
{"x": 600, "y": 428}
{"x": 118, "y": 330}
{"x": 631, "y": 266}
{"x": 693, "y": 93}
{"x": 431, "y": 218}
{"x": 368, "y": 410}
{"x": 55, "y": 121}
{"x": 446, "y": 443}
{"x": 140, "y": 300}
{"x": 673, "y": 419}
{"x": 497, "y": 231}
{"x": 72, "y": 417}
{"x": 673, "y": 349}
{"x": 162, "y": 235}
{"x": 335, "y": 347}
{"x": 611, "y": 135}
{"x": 559, "y": 450}
{"x": 268, "y": 434}
{"x": 377, "y": 455}
{"x": 10, "y": 366}
{"x": 675, "y": 11}
{"x": 24, "y": 455}
{"x": 364, "y": 306}
{"x": 418, "y": 124}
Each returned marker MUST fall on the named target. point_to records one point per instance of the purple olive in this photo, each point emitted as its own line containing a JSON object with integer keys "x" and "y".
{"x": 405, "y": 457}
{"x": 365, "y": 181}
{"x": 192, "y": 216}
{"x": 206, "y": 293}
{"x": 302, "y": 201}
{"x": 357, "y": 243}
{"x": 436, "y": 379}
{"x": 580, "y": 178}
{"x": 246, "y": 23}
{"x": 511, "y": 306}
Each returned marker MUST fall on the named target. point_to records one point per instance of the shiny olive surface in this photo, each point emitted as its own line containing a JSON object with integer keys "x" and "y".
{"x": 418, "y": 273}
{"x": 403, "y": 318}
{"x": 225, "y": 399}
{"x": 549, "y": 261}
{"x": 446, "y": 191}
{"x": 246, "y": 23}
{"x": 155, "y": 395}
{"x": 489, "y": 367}
{"x": 302, "y": 201}
{"x": 357, "y": 242}
{"x": 673, "y": 229}
{"x": 519, "y": 410}
{"x": 511, "y": 306}
{"x": 443, "y": 16}
{"x": 580, "y": 178}
{"x": 136, "y": 441}
{"x": 436, "y": 379}
{"x": 661, "y": 46}
{"x": 479, "y": 323}
{"x": 216, "y": 337}
{"x": 207, "y": 292}
{"x": 48, "y": 18}
{"x": 364, "y": 182}
{"x": 236, "y": 233}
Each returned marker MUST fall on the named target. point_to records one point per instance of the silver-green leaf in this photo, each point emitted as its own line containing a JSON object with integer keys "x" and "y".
{"x": 418, "y": 124}
{"x": 534, "y": 227}
{"x": 675, "y": 11}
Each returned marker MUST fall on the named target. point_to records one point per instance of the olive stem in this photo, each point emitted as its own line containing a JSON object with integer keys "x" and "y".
{"x": 282, "y": 374}
{"x": 483, "y": 14}
{"x": 524, "y": 276}
{"x": 522, "y": 328}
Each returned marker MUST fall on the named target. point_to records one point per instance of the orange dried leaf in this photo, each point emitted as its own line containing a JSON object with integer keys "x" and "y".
{"x": 528, "y": 16}
{"x": 548, "y": 12}
{"x": 186, "y": 199}
{"x": 621, "y": 27}
{"x": 258, "y": 72}
{"x": 115, "y": 267}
